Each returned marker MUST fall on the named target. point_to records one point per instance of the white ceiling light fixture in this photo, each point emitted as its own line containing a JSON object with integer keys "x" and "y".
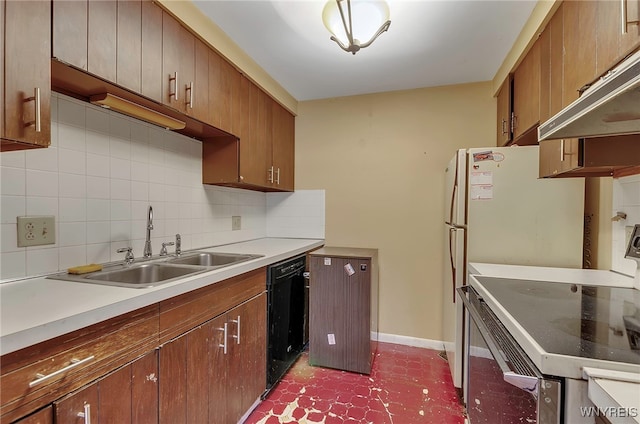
{"x": 366, "y": 19}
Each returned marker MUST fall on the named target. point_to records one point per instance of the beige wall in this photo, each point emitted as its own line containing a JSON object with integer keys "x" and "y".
{"x": 381, "y": 160}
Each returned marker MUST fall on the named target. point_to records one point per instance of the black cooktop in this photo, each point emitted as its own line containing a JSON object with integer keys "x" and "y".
{"x": 572, "y": 319}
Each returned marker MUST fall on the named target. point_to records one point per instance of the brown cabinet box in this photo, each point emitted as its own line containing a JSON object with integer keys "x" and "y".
{"x": 343, "y": 308}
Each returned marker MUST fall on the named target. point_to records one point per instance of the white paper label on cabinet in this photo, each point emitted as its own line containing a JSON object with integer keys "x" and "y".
{"x": 331, "y": 338}
{"x": 327, "y": 261}
{"x": 348, "y": 268}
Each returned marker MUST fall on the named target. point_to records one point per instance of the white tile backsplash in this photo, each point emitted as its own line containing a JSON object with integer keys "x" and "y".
{"x": 626, "y": 198}
{"x": 98, "y": 179}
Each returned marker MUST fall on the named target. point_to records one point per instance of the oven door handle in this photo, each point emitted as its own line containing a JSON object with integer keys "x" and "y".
{"x": 529, "y": 384}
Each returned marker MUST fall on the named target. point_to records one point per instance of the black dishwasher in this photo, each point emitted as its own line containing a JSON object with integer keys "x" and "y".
{"x": 287, "y": 316}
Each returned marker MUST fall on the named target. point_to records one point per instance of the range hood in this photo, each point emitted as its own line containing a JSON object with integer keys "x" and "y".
{"x": 611, "y": 106}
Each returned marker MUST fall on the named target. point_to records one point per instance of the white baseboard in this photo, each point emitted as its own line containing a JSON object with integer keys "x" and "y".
{"x": 411, "y": 341}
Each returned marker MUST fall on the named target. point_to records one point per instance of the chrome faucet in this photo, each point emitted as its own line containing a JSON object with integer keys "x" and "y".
{"x": 147, "y": 244}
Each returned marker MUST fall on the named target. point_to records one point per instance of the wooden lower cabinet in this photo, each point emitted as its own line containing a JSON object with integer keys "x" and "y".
{"x": 128, "y": 395}
{"x": 43, "y": 416}
{"x": 215, "y": 372}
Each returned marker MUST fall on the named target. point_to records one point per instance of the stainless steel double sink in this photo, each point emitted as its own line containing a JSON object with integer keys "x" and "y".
{"x": 160, "y": 271}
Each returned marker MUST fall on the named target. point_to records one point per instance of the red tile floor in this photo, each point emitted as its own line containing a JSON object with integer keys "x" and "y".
{"x": 407, "y": 385}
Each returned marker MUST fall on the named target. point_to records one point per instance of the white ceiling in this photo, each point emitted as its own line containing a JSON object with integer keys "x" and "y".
{"x": 430, "y": 43}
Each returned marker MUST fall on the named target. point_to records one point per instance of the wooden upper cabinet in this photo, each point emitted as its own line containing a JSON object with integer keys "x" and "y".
{"x": 26, "y": 115}
{"x": 152, "y": 76}
{"x": 129, "y": 45}
{"x": 255, "y": 146}
{"x": 224, "y": 88}
{"x": 630, "y": 40}
{"x": 283, "y": 147}
{"x": 70, "y": 32}
{"x": 556, "y": 58}
{"x": 612, "y": 44}
{"x": 579, "y": 39}
{"x": 551, "y": 56}
{"x": 199, "y": 94}
{"x": 526, "y": 92}
{"x": 178, "y": 64}
{"x": 101, "y": 38}
{"x": 503, "y": 129}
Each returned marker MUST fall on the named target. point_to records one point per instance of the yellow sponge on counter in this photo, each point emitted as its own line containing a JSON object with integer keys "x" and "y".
{"x": 84, "y": 269}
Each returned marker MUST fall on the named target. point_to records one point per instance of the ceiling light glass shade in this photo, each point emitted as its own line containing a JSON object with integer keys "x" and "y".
{"x": 351, "y": 22}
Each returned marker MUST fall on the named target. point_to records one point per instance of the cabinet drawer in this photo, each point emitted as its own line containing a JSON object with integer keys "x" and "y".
{"x": 182, "y": 313}
{"x": 32, "y": 377}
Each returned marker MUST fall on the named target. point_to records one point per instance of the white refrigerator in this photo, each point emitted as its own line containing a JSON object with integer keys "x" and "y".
{"x": 497, "y": 210}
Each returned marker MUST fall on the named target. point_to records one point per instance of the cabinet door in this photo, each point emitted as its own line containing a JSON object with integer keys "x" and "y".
{"x": 178, "y": 58}
{"x": 526, "y": 92}
{"x": 129, "y": 45}
{"x": 246, "y": 360}
{"x": 185, "y": 365}
{"x": 556, "y": 56}
{"x": 283, "y": 147}
{"x": 504, "y": 113}
{"x": 70, "y": 32}
{"x": 128, "y": 395}
{"x": 631, "y": 39}
{"x": 223, "y": 78}
{"x": 579, "y": 63}
{"x": 152, "y": 72}
{"x": 27, "y": 72}
{"x": 198, "y": 105}
{"x": 255, "y": 148}
{"x": 44, "y": 416}
{"x": 75, "y": 407}
{"x": 101, "y": 38}
{"x": 253, "y": 350}
{"x": 219, "y": 363}
{"x": 558, "y": 156}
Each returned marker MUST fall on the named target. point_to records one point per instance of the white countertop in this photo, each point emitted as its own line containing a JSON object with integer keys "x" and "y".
{"x": 620, "y": 391}
{"x": 37, "y": 309}
{"x": 594, "y": 277}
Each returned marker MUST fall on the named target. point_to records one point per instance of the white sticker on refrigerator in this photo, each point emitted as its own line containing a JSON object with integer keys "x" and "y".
{"x": 481, "y": 185}
{"x": 348, "y": 268}
{"x": 481, "y": 192}
{"x": 331, "y": 338}
{"x": 481, "y": 178}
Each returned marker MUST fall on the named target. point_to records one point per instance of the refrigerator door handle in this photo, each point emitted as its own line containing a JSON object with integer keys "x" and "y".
{"x": 453, "y": 265}
{"x": 454, "y": 193}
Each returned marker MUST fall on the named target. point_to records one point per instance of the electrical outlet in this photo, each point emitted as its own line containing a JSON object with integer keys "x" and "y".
{"x": 36, "y": 230}
{"x": 236, "y": 223}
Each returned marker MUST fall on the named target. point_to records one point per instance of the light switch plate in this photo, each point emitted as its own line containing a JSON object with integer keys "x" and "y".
{"x": 236, "y": 223}
{"x": 36, "y": 230}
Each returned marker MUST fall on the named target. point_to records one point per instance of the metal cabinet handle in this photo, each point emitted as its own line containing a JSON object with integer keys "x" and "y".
{"x": 86, "y": 414}
{"x": 224, "y": 343}
{"x": 562, "y": 150}
{"x": 36, "y": 95}
{"x": 74, "y": 363}
{"x": 278, "y": 176}
{"x": 504, "y": 131}
{"x": 173, "y": 78}
{"x": 237, "y": 336}
{"x": 190, "y": 90}
{"x": 270, "y": 174}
